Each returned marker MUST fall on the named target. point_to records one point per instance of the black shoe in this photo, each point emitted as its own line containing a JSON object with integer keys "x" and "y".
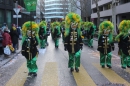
{"x": 91, "y": 46}
{"x": 103, "y": 66}
{"x": 30, "y": 73}
{"x": 71, "y": 69}
{"x": 77, "y": 70}
{"x": 128, "y": 66}
{"x": 109, "y": 66}
{"x": 34, "y": 74}
{"x": 124, "y": 67}
{"x": 56, "y": 46}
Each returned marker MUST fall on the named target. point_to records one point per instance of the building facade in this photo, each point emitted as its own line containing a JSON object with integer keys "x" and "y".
{"x": 40, "y": 10}
{"x": 6, "y": 12}
{"x": 106, "y": 10}
{"x": 55, "y": 9}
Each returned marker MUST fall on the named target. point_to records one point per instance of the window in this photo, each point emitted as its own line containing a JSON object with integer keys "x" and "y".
{"x": 1, "y": 18}
{"x": 101, "y": 8}
{"x": 1, "y": 1}
{"x": 8, "y": 17}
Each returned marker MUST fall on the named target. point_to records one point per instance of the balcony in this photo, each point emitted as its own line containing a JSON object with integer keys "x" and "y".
{"x": 100, "y": 3}
{"x": 124, "y": 8}
{"x": 102, "y": 13}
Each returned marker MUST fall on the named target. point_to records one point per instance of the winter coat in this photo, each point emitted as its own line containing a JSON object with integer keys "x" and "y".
{"x": 104, "y": 46}
{"x": 78, "y": 43}
{"x": 29, "y": 48}
{"x": 6, "y": 39}
{"x": 124, "y": 44}
{"x": 14, "y": 36}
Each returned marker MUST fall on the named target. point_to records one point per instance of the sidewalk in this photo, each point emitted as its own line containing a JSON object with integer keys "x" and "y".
{"x": 5, "y": 59}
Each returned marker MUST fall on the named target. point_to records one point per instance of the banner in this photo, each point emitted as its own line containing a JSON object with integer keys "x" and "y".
{"x": 30, "y": 5}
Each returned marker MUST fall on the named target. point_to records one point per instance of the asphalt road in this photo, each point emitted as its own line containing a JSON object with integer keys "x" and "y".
{"x": 53, "y": 69}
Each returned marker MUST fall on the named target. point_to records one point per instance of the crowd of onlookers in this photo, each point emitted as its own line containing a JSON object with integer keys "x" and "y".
{"x": 9, "y": 37}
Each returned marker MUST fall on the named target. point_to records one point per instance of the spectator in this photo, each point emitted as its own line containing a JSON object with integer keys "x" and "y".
{"x": 6, "y": 38}
{"x": 4, "y": 26}
{"x": 1, "y": 38}
{"x": 14, "y": 36}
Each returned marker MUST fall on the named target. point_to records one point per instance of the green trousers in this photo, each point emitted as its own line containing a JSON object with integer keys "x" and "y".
{"x": 31, "y": 65}
{"x": 125, "y": 59}
{"x": 90, "y": 42}
{"x": 74, "y": 59}
{"x": 105, "y": 58}
{"x": 56, "y": 42}
{"x": 42, "y": 43}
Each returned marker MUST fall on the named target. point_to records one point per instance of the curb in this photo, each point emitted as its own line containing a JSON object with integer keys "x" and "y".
{"x": 9, "y": 59}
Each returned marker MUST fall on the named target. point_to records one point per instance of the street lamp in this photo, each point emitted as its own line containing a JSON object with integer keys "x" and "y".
{"x": 114, "y": 2}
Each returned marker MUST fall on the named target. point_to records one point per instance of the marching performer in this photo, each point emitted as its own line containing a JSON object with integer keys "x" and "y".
{"x": 73, "y": 41}
{"x": 30, "y": 41}
{"x": 84, "y": 33}
{"x": 105, "y": 43}
{"x": 56, "y": 33}
{"x": 90, "y": 34}
{"x": 42, "y": 34}
{"x": 124, "y": 43}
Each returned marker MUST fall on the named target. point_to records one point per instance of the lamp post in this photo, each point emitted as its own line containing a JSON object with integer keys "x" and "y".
{"x": 114, "y": 2}
{"x": 17, "y": 9}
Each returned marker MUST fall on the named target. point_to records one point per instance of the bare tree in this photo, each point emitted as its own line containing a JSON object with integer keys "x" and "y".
{"x": 64, "y": 6}
{"x": 82, "y": 7}
{"x": 98, "y": 12}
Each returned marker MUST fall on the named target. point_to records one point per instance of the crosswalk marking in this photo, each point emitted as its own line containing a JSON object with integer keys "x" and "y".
{"x": 111, "y": 75}
{"x": 19, "y": 78}
{"x": 50, "y": 74}
{"x": 82, "y": 78}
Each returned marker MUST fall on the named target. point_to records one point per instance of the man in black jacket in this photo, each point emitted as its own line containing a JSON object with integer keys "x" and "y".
{"x": 105, "y": 43}
{"x": 73, "y": 41}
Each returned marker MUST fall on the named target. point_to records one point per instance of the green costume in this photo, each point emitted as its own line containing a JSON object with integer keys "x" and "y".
{"x": 84, "y": 33}
{"x": 30, "y": 41}
{"x": 56, "y": 33}
{"x": 73, "y": 41}
{"x": 123, "y": 39}
{"x": 90, "y": 33}
{"x": 105, "y": 43}
{"x": 42, "y": 34}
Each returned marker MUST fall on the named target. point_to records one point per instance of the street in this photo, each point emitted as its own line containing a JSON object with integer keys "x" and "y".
{"x": 53, "y": 69}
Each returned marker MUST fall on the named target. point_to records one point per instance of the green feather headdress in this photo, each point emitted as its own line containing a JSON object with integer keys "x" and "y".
{"x": 43, "y": 24}
{"x": 124, "y": 28}
{"x": 86, "y": 25}
{"x": 106, "y": 25}
{"x": 62, "y": 23}
{"x": 90, "y": 24}
{"x": 55, "y": 24}
{"x": 72, "y": 17}
{"x": 82, "y": 24}
{"x": 28, "y": 26}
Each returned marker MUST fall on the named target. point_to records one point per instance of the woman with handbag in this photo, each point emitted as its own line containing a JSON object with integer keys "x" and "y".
{"x": 6, "y": 41}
